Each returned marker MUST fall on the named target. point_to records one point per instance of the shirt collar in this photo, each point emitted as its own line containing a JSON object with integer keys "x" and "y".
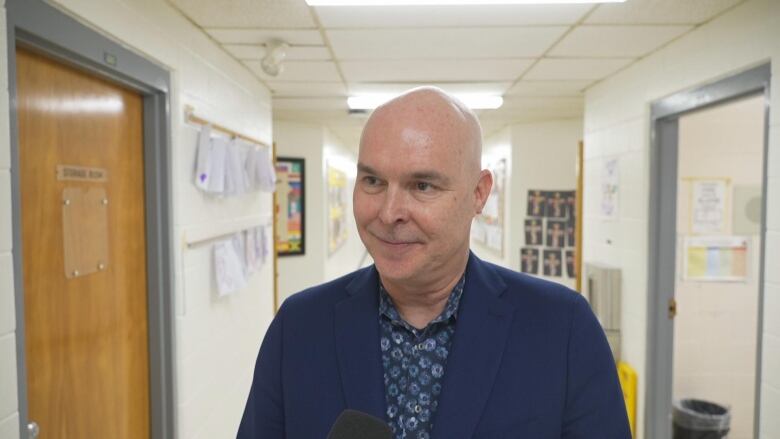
{"x": 388, "y": 309}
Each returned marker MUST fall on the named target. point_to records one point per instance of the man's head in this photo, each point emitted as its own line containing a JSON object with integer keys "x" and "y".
{"x": 419, "y": 186}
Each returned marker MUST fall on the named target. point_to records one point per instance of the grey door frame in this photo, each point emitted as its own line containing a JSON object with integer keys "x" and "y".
{"x": 40, "y": 27}
{"x": 664, "y": 120}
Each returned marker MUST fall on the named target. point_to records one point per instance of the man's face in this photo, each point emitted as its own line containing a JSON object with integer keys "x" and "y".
{"x": 414, "y": 198}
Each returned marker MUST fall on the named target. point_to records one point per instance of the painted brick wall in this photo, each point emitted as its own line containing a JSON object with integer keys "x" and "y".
{"x": 617, "y": 125}
{"x": 216, "y": 338}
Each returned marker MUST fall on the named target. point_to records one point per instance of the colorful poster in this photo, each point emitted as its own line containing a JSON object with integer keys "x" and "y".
{"x": 537, "y": 203}
{"x": 533, "y": 232}
{"x": 529, "y": 260}
{"x": 290, "y": 175}
{"x": 552, "y": 263}
{"x": 337, "y": 208}
{"x": 715, "y": 258}
{"x": 556, "y": 233}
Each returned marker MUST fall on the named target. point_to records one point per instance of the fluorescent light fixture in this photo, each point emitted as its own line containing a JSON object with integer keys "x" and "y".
{"x": 448, "y": 2}
{"x": 473, "y": 101}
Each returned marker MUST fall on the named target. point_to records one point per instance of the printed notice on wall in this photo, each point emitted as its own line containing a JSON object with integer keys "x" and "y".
{"x": 715, "y": 258}
{"x": 610, "y": 188}
{"x": 708, "y": 206}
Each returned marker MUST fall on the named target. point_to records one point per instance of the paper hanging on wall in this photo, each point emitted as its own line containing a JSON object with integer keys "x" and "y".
{"x": 610, "y": 188}
{"x": 708, "y": 206}
{"x": 715, "y": 258}
{"x": 203, "y": 161}
{"x": 228, "y": 267}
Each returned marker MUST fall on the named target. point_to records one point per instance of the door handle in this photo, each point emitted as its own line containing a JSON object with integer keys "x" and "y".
{"x": 33, "y": 430}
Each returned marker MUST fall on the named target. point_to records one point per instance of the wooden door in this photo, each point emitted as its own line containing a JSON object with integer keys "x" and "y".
{"x": 86, "y": 334}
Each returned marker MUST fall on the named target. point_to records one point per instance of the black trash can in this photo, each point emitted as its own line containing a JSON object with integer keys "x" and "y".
{"x": 697, "y": 419}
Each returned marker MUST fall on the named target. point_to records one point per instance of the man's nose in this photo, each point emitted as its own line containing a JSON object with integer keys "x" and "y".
{"x": 395, "y": 207}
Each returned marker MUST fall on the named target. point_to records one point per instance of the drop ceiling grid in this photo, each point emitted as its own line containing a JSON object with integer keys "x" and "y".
{"x": 335, "y": 52}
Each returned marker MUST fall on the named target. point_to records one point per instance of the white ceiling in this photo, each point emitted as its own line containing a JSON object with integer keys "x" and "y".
{"x": 539, "y": 57}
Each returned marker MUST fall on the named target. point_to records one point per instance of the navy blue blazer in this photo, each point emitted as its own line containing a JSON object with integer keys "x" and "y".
{"x": 528, "y": 360}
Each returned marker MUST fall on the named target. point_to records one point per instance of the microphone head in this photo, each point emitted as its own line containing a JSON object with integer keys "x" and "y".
{"x": 352, "y": 424}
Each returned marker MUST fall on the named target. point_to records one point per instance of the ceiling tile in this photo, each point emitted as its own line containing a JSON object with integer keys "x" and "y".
{"x": 549, "y": 88}
{"x": 310, "y": 103}
{"x": 497, "y": 88}
{"x": 247, "y": 13}
{"x": 539, "y": 103}
{"x": 435, "y": 16}
{"x": 660, "y": 11}
{"x": 260, "y": 36}
{"x": 577, "y": 68}
{"x": 616, "y": 41}
{"x": 434, "y": 70}
{"x": 324, "y": 71}
{"x": 307, "y": 89}
{"x": 502, "y": 42}
{"x": 299, "y": 53}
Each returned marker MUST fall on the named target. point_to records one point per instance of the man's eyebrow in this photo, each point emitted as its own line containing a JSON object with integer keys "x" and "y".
{"x": 366, "y": 169}
{"x": 430, "y": 176}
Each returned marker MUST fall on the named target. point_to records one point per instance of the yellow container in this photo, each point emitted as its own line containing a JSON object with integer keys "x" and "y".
{"x": 628, "y": 379}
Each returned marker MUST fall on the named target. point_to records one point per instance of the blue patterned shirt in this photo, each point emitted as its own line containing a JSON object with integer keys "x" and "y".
{"x": 414, "y": 361}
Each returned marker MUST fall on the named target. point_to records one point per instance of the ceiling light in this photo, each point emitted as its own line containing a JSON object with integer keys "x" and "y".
{"x": 447, "y": 2}
{"x": 473, "y": 101}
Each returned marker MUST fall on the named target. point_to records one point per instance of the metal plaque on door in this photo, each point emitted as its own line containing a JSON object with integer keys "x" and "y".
{"x": 85, "y": 230}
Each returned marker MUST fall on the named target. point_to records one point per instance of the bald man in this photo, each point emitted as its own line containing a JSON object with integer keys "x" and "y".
{"x": 430, "y": 339}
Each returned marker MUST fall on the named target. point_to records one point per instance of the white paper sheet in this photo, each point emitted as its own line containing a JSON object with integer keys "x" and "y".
{"x": 228, "y": 267}
{"x": 203, "y": 161}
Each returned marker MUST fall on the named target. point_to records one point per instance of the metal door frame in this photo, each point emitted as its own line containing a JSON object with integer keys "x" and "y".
{"x": 664, "y": 125}
{"x": 36, "y": 25}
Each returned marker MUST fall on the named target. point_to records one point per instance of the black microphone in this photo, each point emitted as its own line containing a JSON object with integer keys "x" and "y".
{"x": 352, "y": 424}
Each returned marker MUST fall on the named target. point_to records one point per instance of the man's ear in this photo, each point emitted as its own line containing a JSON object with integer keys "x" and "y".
{"x": 482, "y": 191}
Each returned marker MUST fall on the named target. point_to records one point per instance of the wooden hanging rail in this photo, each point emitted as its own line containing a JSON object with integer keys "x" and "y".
{"x": 190, "y": 116}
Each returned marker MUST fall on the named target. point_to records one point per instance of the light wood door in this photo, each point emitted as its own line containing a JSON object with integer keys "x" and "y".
{"x": 86, "y": 336}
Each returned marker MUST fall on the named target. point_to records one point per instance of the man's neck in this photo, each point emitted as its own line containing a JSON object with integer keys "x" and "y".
{"x": 419, "y": 305}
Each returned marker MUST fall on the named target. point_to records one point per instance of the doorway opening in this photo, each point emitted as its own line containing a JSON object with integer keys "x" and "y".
{"x": 708, "y": 177}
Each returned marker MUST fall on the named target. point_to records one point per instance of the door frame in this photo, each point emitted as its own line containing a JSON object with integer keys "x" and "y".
{"x": 45, "y": 29}
{"x": 664, "y": 126}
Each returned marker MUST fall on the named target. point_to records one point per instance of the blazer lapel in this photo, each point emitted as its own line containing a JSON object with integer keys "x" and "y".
{"x": 483, "y": 324}
{"x": 357, "y": 345}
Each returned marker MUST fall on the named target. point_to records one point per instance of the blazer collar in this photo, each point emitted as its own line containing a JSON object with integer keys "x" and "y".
{"x": 483, "y": 323}
{"x": 357, "y": 345}
{"x": 481, "y": 333}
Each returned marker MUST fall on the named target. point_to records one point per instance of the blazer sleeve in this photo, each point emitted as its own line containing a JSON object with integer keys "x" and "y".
{"x": 594, "y": 401}
{"x": 264, "y": 413}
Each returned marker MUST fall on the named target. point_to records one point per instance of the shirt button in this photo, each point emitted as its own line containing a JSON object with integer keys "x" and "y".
{"x": 419, "y": 347}
{"x": 417, "y": 408}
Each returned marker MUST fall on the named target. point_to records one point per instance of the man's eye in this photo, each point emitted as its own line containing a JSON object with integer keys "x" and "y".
{"x": 371, "y": 181}
{"x": 424, "y": 187}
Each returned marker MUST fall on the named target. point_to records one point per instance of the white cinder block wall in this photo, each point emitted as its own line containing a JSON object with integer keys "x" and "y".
{"x": 539, "y": 155}
{"x": 216, "y": 339}
{"x": 617, "y": 121}
{"x": 350, "y": 254}
{"x": 545, "y": 157}
{"x": 495, "y": 148}
{"x": 304, "y": 140}
{"x": 318, "y": 146}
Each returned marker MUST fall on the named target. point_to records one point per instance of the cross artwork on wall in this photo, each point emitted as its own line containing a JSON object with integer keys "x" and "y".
{"x": 529, "y": 260}
{"x": 552, "y": 263}
{"x": 537, "y": 202}
{"x": 549, "y": 230}
{"x": 533, "y": 232}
